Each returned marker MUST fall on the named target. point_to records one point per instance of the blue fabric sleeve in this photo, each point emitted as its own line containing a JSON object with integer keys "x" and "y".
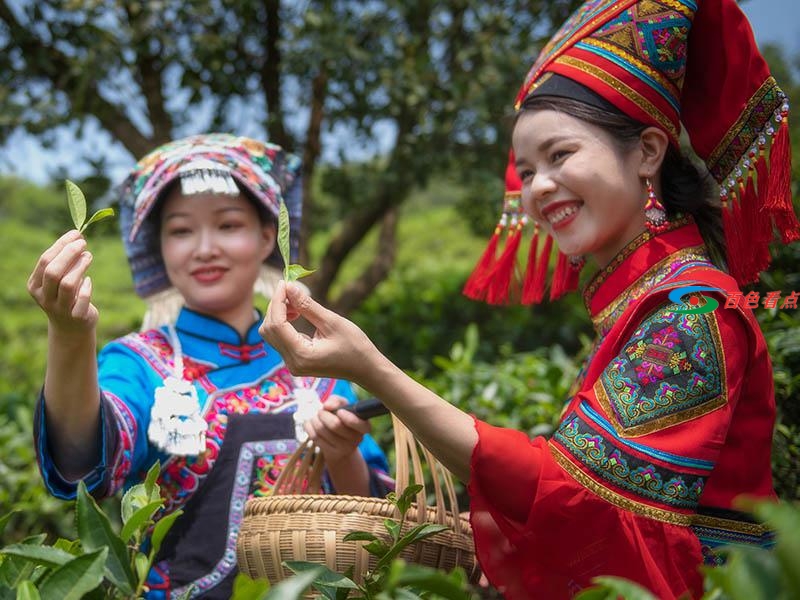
{"x": 58, "y": 485}
{"x": 126, "y": 388}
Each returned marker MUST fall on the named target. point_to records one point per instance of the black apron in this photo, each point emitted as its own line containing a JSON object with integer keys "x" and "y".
{"x": 200, "y": 548}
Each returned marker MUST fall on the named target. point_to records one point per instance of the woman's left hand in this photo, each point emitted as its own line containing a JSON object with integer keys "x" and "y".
{"x": 337, "y": 433}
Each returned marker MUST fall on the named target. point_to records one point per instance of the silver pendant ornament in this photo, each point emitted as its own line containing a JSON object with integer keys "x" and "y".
{"x": 308, "y": 405}
{"x": 176, "y": 425}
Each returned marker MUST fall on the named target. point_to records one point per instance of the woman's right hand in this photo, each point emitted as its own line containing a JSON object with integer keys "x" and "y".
{"x": 338, "y": 348}
{"x": 61, "y": 288}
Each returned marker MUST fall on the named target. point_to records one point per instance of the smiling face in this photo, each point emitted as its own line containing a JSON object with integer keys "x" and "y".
{"x": 213, "y": 247}
{"x": 578, "y": 184}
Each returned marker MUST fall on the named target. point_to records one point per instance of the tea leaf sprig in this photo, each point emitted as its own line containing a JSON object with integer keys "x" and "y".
{"x": 77, "y": 208}
{"x": 291, "y": 272}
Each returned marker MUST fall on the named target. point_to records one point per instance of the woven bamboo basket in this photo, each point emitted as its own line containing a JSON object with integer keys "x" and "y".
{"x": 298, "y": 523}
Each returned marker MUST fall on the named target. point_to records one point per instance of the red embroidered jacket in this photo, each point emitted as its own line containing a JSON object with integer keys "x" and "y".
{"x": 671, "y": 420}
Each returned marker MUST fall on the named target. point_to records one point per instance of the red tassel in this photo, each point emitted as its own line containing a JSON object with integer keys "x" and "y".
{"x": 780, "y": 159}
{"x": 476, "y": 285}
{"x": 763, "y": 222}
{"x": 756, "y": 219}
{"x": 540, "y": 277}
{"x": 779, "y": 201}
{"x": 529, "y": 282}
{"x": 565, "y": 278}
{"x": 500, "y": 277}
{"x": 730, "y": 222}
{"x": 787, "y": 224}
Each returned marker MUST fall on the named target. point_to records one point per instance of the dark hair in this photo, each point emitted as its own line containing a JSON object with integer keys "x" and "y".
{"x": 685, "y": 188}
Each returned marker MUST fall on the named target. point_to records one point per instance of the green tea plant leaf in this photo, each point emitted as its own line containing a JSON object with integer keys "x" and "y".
{"x": 430, "y": 580}
{"x": 420, "y": 532}
{"x": 357, "y": 536}
{"x": 6, "y": 518}
{"x": 27, "y": 591}
{"x": 77, "y": 204}
{"x": 290, "y": 272}
{"x": 295, "y": 272}
{"x": 95, "y": 532}
{"x": 161, "y": 529}
{"x": 245, "y": 588}
{"x": 139, "y": 520}
{"x": 294, "y": 587}
{"x": 615, "y": 587}
{"x": 47, "y": 556}
{"x": 77, "y": 208}
{"x": 76, "y": 578}
{"x": 326, "y": 577}
{"x": 101, "y": 214}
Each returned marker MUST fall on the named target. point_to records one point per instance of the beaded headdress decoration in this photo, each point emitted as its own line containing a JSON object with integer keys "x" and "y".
{"x": 663, "y": 63}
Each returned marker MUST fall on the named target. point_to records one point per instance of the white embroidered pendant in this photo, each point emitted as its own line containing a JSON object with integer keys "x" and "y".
{"x": 308, "y": 405}
{"x": 176, "y": 426}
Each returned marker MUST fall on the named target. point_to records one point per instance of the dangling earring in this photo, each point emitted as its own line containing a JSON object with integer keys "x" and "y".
{"x": 577, "y": 262}
{"x": 654, "y": 211}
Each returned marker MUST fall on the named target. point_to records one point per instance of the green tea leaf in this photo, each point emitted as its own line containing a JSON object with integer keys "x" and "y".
{"x": 161, "y": 529}
{"x": 6, "y": 518}
{"x": 27, "y": 591}
{"x": 295, "y": 272}
{"x": 622, "y": 588}
{"x": 294, "y": 587}
{"x": 360, "y": 536}
{"x": 283, "y": 238}
{"x": 393, "y": 527}
{"x": 101, "y": 214}
{"x": 95, "y": 532}
{"x": 420, "y": 532}
{"x": 426, "y": 579}
{"x": 77, "y": 204}
{"x": 76, "y": 578}
{"x": 245, "y": 588}
{"x": 41, "y": 555}
{"x": 139, "y": 520}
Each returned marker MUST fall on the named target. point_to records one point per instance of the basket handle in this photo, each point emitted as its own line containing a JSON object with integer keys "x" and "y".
{"x": 302, "y": 473}
{"x": 406, "y": 446}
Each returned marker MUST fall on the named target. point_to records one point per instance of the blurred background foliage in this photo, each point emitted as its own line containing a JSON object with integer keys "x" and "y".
{"x": 400, "y": 232}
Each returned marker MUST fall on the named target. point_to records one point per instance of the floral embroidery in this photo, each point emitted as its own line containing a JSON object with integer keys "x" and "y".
{"x": 624, "y": 470}
{"x": 671, "y": 370}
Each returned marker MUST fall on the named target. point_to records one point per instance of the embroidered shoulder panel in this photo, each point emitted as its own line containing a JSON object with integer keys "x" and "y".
{"x": 613, "y": 465}
{"x": 672, "y": 369}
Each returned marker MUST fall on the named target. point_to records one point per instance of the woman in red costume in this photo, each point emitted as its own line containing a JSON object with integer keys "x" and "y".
{"x": 671, "y": 418}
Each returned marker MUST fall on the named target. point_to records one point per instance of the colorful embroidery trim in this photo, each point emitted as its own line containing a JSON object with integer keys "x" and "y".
{"x": 248, "y": 456}
{"x": 672, "y": 265}
{"x": 623, "y": 470}
{"x": 671, "y": 370}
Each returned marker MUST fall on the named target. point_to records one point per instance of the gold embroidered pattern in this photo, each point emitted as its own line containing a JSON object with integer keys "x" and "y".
{"x": 770, "y": 85}
{"x": 657, "y": 274}
{"x": 636, "y": 62}
{"x": 600, "y": 277}
{"x": 730, "y": 525}
{"x": 623, "y": 89}
{"x": 614, "y": 498}
{"x": 679, "y": 7}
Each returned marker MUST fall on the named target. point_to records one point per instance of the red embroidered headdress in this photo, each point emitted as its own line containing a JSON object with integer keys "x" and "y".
{"x": 663, "y": 62}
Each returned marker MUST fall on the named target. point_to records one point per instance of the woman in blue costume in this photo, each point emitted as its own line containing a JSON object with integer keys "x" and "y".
{"x": 197, "y": 388}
